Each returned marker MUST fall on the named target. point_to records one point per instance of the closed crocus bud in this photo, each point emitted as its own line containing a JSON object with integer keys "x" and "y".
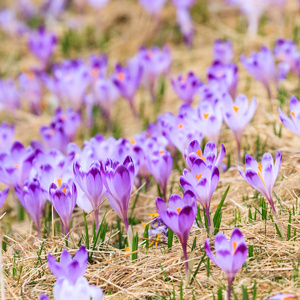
{"x": 63, "y": 200}
{"x": 292, "y": 123}
{"x": 237, "y": 115}
{"x": 230, "y": 255}
{"x": 92, "y": 185}
{"x": 179, "y": 217}
{"x": 225, "y": 76}
{"x": 41, "y": 44}
{"x": 33, "y": 199}
{"x": 202, "y": 180}
{"x": 3, "y": 196}
{"x": 119, "y": 180}
{"x": 262, "y": 176}
{"x": 223, "y": 51}
{"x": 261, "y": 65}
{"x": 186, "y": 87}
{"x": 209, "y": 156}
{"x": 160, "y": 164}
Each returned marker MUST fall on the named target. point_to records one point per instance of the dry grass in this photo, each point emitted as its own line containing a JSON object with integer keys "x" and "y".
{"x": 275, "y": 262}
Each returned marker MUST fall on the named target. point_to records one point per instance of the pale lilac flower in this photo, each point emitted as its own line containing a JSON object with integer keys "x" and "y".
{"x": 98, "y": 66}
{"x": 97, "y": 4}
{"x": 179, "y": 217}
{"x": 10, "y": 24}
{"x": 54, "y": 8}
{"x": 186, "y": 87}
{"x": 281, "y": 296}
{"x": 209, "y": 156}
{"x": 261, "y": 65}
{"x": 9, "y": 95}
{"x": 153, "y": 7}
{"x": 292, "y": 123}
{"x": 223, "y": 51}
{"x": 185, "y": 24}
{"x": 183, "y": 3}
{"x": 7, "y": 133}
{"x": 262, "y": 176}
{"x": 3, "y": 196}
{"x": 237, "y": 115}
{"x": 230, "y": 255}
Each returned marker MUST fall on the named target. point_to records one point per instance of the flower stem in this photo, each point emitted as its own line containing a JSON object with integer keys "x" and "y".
{"x": 186, "y": 261}
{"x": 208, "y": 219}
{"x": 229, "y": 291}
{"x": 96, "y": 216}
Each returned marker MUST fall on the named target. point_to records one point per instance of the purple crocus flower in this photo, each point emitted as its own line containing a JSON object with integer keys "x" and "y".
{"x": 183, "y": 3}
{"x": 153, "y": 7}
{"x": 15, "y": 166}
{"x": 281, "y": 296}
{"x": 92, "y": 185}
{"x": 160, "y": 164}
{"x": 262, "y": 176}
{"x": 230, "y": 255}
{"x": 223, "y": 51}
{"x": 7, "y": 133}
{"x": 185, "y": 24}
{"x": 155, "y": 62}
{"x": 97, "y": 4}
{"x": 209, "y": 156}
{"x": 202, "y": 180}
{"x": 41, "y": 43}
{"x": 127, "y": 80}
{"x": 11, "y": 25}
{"x": 31, "y": 91}
{"x": 98, "y": 66}
{"x": 287, "y": 52}
{"x": 179, "y": 217}
{"x": 225, "y": 76}
{"x": 261, "y": 65}
{"x": 186, "y": 87}
{"x": 3, "y": 196}
{"x": 119, "y": 180}
{"x": 64, "y": 200}
{"x": 33, "y": 199}
{"x": 237, "y": 116}
{"x": 9, "y": 95}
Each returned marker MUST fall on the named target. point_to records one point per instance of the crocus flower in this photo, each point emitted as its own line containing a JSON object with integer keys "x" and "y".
{"x": 98, "y": 66}
{"x": 41, "y": 43}
{"x": 224, "y": 75}
{"x": 281, "y": 296}
{"x": 287, "y": 52}
{"x": 31, "y": 91}
{"x": 261, "y": 65}
{"x": 292, "y": 123}
{"x": 9, "y": 95}
{"x": 69, "y": 273}
{"x": 237, "y": 116}
{"x": 3, "y": 196}
{"x": 186, "y": 87}
{"x": 202, "y": 180}
{"x": 11, "y": 25}
{"x": 262, "y": 176}
{"x": 160, "y": 164}
{"x": 185, "y": 24}
{"x": 127, "y": 80}
{"x": 16, "y": 165}
{"x": 33, "y": 199}
{"x": 92, "y": 185}
{"x": 97, "y": 4}
{"x": 7, "y": 133}
{"x": 153, "y": 7}
{"x": 230, "y": 255}
{"x": 209, "y": 156}
{"x": 183, "y": 3}
{"x": 119, "y": 180}
{"x": 54, "y": 8}
{"x": 155, "y": 62}
{"x": 223, "y": 51}
{"x": 179, "y": 217}
{"x": 64, "y": 199}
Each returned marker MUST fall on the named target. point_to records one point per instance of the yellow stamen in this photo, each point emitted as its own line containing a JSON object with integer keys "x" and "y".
{"x": 183, "y": 79}
{"x": 65, "y": 190}
{"x": 235, "y": 108}
{"x": 199, "y": 153}
{"x": 293, "y": 114}
{"x": 155, "y": 241}
{"x": 205, "y": 115}
{"x": 127, "y": 249}
{"x": 95, "y": 73}
{"x": 260, "y": 168}
{"x": 121, "y": 76}
{"x": 180, "y": 126}
{"x": 52, "y": 131}
{"x": 16, "y": 166}
{"x": 198, "y": 176}
{"x": 178, "y": 209}
{"x": 154, "y": 215}
{"x": 31, "y": 76}
{"x": 132, "y": 142}
{"x": 59, "y": 180}
{"x": 234, "y": 245}
{"x": 161, "y": 152}
{"x": 260, "y": 174}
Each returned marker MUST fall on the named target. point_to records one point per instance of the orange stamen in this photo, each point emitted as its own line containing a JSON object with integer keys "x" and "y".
{"x": 59, "y": 180}
{"x": 132, "y": 142}
{"x": 65, "y": 190}
{"x": 16, "y": 166}
{"x": 220, "y": 73}
{"x": 154, "y": 215}
{"x": 205, "y": 115}
{"x": 234, "y": 245}
{"x": 121, "y": 76}
{"x": 235, "y": 108}
{"x": 293, "y": 114}
{"x": 52, "y": 131}
{"x": 260, "y": 174}
{"x": 183, "y": 79}
{"x": 31, "y": 76}
{"x": 199, "y": 153}
{"x": 180, "y": 126}
{"x": 161, "y": 152}
{"x": 198, "y": 176}
{"x": 178, "y": 209}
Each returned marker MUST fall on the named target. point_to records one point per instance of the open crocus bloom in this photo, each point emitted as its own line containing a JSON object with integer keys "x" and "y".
{"x": 262, "y": 176}
{"x": 209, "y": 156}
{"x": 281, "y": 296}
{"x": 230, "y": 255}
{"x": 223, "y": 51}
{"x": 292, "y": 123}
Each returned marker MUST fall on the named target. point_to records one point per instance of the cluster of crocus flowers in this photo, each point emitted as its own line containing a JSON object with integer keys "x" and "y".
{"x": 230, "y": 255}
{"x": 262, "y": 176}
{"x": 69, "y": 272}
{"x": 179, "y": 216}
{"x": 237, "y": 115}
